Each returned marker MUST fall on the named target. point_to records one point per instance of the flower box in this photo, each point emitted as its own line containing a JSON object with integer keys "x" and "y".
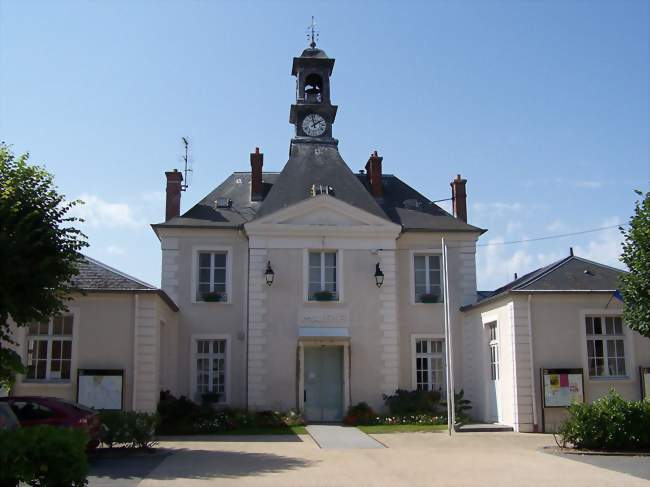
{"x": 324, "y": 296}
{"x": 214, "y": 297}
{"x": 430, "y": 298}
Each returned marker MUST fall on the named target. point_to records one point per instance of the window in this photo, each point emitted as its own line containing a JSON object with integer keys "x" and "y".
{"x": 212, "y": 277}
{"x": 429, "y": 365}
{"x": 49, "y": 349}
{"x": 322, "y": 276}
{"x": 494, "y": 351}
{"x": 211, "y": 368}
{"x": 30, "y": 411}
{"x": 428, "y": 287}
{"x": 605, "y": 346}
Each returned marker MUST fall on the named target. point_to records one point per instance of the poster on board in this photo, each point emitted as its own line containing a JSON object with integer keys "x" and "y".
{"x": 644, "y": 375}
{"x": 100, "y": 389}
{"x": 562, "y": 387}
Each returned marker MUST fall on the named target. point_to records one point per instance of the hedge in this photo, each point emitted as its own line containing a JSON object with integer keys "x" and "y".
{"x": 128, "y": 428}
{"x": 610, "y": 423}
{"x": 44, "y": 456}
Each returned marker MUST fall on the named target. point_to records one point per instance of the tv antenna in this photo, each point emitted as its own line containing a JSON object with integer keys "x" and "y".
{"x": 188, "y": 168}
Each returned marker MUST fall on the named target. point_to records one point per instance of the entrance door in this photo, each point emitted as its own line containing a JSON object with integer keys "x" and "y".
{"x": 323, "y": 395}
{"x": 493, "y": 386}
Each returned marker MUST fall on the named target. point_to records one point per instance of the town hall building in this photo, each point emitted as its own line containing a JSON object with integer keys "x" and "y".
{"x": 318, "y": 287}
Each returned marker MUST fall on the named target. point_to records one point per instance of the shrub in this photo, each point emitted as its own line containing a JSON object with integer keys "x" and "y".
{"x": 412, "y": 402}
{"x": 44, "y": 456}
{"x": 128, "y": 428}
{"x": 609, "y": 423}
{"x": 181, "y": 416}
{"x": 362, "y": 413}
{"x": 460, "y": 406}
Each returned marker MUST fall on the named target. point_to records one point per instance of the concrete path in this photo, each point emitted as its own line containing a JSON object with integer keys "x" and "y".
{"x": 334, "y": 437}
{"x": 410, "y": 460}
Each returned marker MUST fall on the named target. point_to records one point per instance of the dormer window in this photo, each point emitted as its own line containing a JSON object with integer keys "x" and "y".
{"x": 313, "y": 89}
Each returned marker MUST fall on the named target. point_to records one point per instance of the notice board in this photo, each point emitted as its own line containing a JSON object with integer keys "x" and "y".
{"x": 100, "y": 388}
{"x": 562, "y": 387}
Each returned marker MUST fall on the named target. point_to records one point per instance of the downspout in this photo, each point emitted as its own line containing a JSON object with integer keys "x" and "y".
{"x": 513, "y": 350}
{"x": 532, "y": 361}
{"x": 135, "y": 352}
{"x": 247, "y": 310}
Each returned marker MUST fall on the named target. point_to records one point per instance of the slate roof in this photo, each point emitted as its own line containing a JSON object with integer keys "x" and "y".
{"x": 570, "y": 274}
{"x": 319, "y": 164}
{"x": 95, "y": 276}
{"x": 400, "y": 204}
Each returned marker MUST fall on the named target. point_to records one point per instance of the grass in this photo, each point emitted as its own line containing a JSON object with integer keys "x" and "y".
{"x": 402, "y": 428}
{"x": 284, "y": 430}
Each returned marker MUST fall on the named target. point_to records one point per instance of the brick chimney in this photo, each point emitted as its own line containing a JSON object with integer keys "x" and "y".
{"x": 173, "y": 202}
{"x": 459, "y": 198}
{"x": 373, "y": 169}
{"x": 257, "y": 188}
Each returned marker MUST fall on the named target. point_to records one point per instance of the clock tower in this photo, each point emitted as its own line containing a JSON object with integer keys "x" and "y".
{"x": 313, "y": 113}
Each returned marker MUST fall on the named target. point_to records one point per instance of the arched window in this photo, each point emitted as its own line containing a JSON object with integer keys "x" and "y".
{"x": 313, "y": 88}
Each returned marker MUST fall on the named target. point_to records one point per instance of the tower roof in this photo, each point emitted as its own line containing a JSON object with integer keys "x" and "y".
{"x": 314, "y": 52}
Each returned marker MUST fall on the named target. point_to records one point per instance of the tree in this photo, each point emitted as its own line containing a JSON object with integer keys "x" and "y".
{"x": 39, "y": 251}
{"x": 635, "y": 285}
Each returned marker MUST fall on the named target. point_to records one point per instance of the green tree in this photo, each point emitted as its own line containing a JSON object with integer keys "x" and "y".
{"x": 39, "y": 251}
{"x": 635, "y": 285}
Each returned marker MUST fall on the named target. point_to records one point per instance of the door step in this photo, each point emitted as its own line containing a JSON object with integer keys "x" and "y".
{"x": 483, "y": 428}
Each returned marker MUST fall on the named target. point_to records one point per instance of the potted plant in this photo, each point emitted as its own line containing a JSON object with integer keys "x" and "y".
{"x": 324, "y": 295}
{"x": 429, "y": 298}
{"x": 214, "y": 296}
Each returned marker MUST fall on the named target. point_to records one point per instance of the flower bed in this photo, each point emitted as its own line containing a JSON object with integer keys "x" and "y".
{"x": 181, "y": 416}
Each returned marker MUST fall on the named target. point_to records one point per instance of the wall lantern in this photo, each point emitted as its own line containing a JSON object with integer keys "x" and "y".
{"x": 379, "y": 276}
{"x": 269, "y": 274}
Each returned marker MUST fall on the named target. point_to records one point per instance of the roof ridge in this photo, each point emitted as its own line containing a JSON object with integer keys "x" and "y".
{"x": 123, "y": 274}
{"x": 598, "y": 264}
{"x": 545, "y": 271}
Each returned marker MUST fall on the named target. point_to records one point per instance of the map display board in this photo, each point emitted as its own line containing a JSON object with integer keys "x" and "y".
{"x": 562, "y": 387}
{"x": 100, "y": 389}
{"x": 644, "y": 374}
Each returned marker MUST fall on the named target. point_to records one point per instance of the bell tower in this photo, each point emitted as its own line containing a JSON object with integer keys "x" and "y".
{"x": 313, "y": 113}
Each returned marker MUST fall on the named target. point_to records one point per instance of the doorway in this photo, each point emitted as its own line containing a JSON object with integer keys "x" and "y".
{"x": 493, "y": 385}
{"x": 323, "y": 383}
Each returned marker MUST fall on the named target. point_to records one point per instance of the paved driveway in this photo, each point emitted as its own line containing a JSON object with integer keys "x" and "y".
{"x": 412, "y": 459}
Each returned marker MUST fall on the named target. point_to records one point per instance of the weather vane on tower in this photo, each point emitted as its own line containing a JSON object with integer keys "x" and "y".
{"x": 312, "y": 33}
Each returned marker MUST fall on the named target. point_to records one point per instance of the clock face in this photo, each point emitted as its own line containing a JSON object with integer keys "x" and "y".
{"x": 314, "y": 125}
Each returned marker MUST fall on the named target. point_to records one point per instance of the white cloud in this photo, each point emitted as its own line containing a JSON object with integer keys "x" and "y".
{"x": 496, "y": 208}
{"x": 589, "y": 184}
{"x": 115, "y": 250}
{"x": 556, "y": 226}
{"x": 514, "y": 226}
{"x": 153, "y": 197}
{"x": 605, "y": 247}
{"x": 100, "y": 213}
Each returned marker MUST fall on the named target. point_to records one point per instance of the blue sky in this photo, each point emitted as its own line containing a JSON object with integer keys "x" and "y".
{"x": 543, "y": 106}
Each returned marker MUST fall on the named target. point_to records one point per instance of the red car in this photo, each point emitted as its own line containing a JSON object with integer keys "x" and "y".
{"x": 35, "y": 410}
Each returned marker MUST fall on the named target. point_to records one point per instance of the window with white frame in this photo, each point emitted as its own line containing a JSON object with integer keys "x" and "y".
{"x": 429, "y": 364}
{"x": 428, "y": 278}
{"x": 211, "y": 368}
{"x": 494, "y": 350}
{"x": 322, "y": 276}
{"x": 605, "y": 346}
{"x": 49, "y": 349}
{"x": 211, "y": 285}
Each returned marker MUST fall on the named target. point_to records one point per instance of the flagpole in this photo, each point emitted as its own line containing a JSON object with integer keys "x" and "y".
{"x": 451, "y": 411}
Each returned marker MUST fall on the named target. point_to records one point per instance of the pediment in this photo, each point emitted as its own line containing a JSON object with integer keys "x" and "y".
{"x": 323, "y": 216}
{"x": 322, "y": 213}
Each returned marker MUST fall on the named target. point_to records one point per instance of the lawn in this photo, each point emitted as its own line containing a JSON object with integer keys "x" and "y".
{"x": 286, "y": 430}
{"x": 402, "y": 428}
